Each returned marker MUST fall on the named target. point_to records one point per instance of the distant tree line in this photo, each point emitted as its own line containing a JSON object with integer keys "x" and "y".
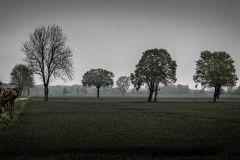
{"x": 233, "y": 91}
{"x": 79, "y": 90}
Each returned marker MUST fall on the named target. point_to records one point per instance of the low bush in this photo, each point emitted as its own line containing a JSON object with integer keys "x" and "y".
{"x": 4, "y": 120}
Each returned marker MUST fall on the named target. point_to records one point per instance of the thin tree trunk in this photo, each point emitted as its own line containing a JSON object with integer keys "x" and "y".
{"x": 123, "y": 92}
{"x": 215, "y": 97}
{"x": 216, "y": 93}
{"x": 219, "y": 92}
{"x": 98, "y": 92}
{"x": 150, "y": 95}
{"x": 45, "y": 92}
{"x": 156, "y": 92}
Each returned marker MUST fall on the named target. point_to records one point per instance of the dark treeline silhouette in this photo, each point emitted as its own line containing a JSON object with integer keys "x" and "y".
{"x": 175, "y": 90}
{"x": 79, "y": 90}
{"x": 8, "y": 85}
{"x": 74, "y": 90}
{"x": 232, "y": 91}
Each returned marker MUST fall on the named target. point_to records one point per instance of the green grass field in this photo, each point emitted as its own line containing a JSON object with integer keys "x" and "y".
{"x": 124, "y": 128}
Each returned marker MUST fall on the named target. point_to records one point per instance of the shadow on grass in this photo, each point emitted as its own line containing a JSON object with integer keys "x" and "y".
{"x": 143, "y": 151}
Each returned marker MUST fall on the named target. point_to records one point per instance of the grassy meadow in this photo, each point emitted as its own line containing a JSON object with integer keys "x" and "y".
{"x": 123, "y": 128}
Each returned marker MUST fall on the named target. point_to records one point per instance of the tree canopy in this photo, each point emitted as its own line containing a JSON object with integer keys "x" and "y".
{"x": 215, "y": 70}
{"x": 48, "y": 55}
{"x": 22, "y": 77}
{"x": 155, "y": 66}
{"x": 123, "y": 83}
{"x": 98, "y": 78}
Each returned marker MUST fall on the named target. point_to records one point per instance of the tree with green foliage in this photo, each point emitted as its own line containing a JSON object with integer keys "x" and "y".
{"x": 22, "y": 77}
{"x": 215, "y": 70}
{"x": 156, "y": 66}
{"x": 48, "y": 55}
{"x": 123, "y": 83}
{"x": 100, "y": 78}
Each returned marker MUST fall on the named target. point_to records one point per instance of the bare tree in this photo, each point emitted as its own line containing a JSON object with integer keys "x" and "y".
{"x": 22, "y": 77}
{"x": 48, "y": 56}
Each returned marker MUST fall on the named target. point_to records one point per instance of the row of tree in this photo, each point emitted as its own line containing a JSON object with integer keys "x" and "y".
{"x": 22, "y": 77}
{"x": 79, "y": 90}
{"x": 48, "y": 56}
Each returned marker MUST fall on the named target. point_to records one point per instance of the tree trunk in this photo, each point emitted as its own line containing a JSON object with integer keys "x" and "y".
{"x": 214, "y": 97}
{"x": 156, "y": 92}
{"x": 150, "y": 95}
{"x": 98, "y": 92}
{"x": 123, "y": 92}
{"x": 216, "y": 93}
{"x": 219, "y": 92}
{"x": 45, "y": 92}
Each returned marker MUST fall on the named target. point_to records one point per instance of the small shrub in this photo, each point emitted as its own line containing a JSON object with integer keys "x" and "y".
{"x": 4, "y": 120}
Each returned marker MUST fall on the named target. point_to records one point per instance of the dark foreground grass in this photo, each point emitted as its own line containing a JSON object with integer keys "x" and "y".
{"x": 124, "y": 128}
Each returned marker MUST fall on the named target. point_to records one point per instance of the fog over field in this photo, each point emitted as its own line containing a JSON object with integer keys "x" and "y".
{"x": 112, "y": 34}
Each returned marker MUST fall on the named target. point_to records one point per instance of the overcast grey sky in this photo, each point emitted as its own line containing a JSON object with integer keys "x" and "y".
{"x": 112, "y": 34}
